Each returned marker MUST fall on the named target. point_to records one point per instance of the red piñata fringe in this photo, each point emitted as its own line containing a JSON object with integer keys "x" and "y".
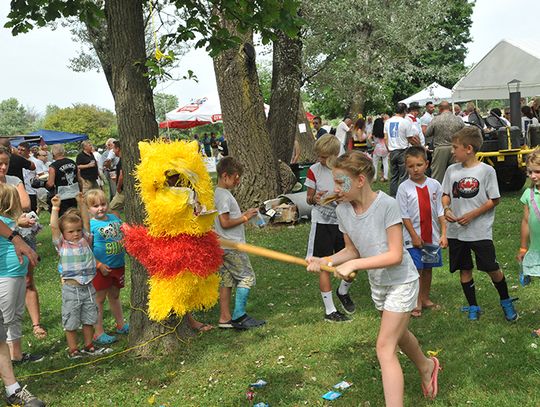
{"x": 167, "y": 257}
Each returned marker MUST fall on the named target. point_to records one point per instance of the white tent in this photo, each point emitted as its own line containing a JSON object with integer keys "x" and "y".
{"x": 507, "y": 61}
{"x": 433, "y": 93}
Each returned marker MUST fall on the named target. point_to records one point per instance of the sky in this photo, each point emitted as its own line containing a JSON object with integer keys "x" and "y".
{"x": 34, "y": 66}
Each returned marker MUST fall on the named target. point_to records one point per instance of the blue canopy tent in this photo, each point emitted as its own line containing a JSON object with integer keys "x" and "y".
{"x": 59, "y": 137}
{"x": 49, "y": 137}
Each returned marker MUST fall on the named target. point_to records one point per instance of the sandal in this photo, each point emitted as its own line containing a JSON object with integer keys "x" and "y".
{"x": 124, "y": 330}
{"x": 535, "y": 333}
{"x": 434, "y": 380}
{"x": 39, "y": 331}
{"x": 416, "y": 313}
{"x": 105, "y": 339}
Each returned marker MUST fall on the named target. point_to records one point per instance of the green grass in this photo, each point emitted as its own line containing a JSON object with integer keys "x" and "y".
{"x": 487, "y": 363}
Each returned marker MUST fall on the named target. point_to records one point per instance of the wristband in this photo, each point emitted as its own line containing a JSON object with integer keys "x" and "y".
{"x": 54, "y": 208}
{"x": 523, "y": 250}
{"x": 446, "y": 208}
{"x": 13, "y": 235}
{"x": 245, "y": 219}
{"x": 329, "y": 261}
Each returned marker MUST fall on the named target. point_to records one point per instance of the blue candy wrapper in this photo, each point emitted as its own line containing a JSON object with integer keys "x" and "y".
{"x": 331, "y": 395}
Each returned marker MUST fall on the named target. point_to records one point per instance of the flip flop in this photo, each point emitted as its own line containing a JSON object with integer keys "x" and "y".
{"x": 432, "y": 306}
{"x": 434, "y": 380}
{"x": 416, "y": 313}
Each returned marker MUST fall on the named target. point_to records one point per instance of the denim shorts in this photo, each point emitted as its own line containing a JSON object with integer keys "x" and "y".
{"x": 78, "y": 306}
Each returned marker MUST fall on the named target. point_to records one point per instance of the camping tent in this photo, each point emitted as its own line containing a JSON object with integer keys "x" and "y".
{"x": 433, "y": 93}
{"x": 206, "y": 110}
{"x": 507, "y": 61}
{"x": 49, "y": 137}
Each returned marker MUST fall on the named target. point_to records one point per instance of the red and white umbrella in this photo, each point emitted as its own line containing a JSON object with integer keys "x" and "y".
{"x": 206, "y": 110}
{"x": 199, "y": 112}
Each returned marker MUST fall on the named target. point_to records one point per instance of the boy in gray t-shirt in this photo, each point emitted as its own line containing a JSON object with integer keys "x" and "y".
{"x": 470, "y": 194}
{"x": 236, "y": 270}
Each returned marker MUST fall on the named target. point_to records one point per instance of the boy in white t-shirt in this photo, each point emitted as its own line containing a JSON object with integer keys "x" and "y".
{"x": 424, "y": 232}
{"x": 236, "y": 270}
{"x": 470, "y": 194}
{"x": 398, "y": 132}
{"x": 325, "y": 238}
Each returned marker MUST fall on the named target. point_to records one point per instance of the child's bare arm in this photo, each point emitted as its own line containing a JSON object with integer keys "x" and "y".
{"x": 55, "y": 230}
{"x": 448, "y": 214}
{"x": 443, "y": 241}
{"x": 524, "y": 234}
{"x": 84, "y": 211}
{"x": 227, "y": 222}
{"x": 416, "y": 240}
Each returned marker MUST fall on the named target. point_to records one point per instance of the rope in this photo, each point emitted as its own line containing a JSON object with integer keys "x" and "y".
{"x": 112, "y": 355}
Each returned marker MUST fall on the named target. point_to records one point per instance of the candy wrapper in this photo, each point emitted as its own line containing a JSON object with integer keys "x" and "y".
{"x": 331, "y": 395}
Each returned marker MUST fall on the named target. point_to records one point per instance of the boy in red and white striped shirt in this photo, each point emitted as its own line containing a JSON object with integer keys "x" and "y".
{"x": 424, "y": 232}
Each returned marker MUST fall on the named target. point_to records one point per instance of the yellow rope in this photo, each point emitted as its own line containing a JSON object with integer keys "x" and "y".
{"x": 112, "y": 355}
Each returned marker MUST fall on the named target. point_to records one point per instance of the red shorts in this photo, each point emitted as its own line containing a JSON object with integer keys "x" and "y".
{"x": 114, "y": 278}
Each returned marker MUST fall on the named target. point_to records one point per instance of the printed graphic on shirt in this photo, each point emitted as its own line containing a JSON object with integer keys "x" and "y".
{"x": 394, "y": 129}
{"x": 467, "y": 187}
{"x": 111, "y": 231}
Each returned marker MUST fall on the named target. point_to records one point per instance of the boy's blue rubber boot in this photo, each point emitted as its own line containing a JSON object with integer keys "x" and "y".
{"x": 474, "y": 312}
{"x": 508, "y": 308}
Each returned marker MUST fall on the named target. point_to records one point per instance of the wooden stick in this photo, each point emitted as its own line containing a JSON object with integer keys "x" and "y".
{"x": 275, "y": 255}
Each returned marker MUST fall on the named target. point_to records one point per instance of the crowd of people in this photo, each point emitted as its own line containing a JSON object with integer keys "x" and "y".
{"x": 91, "y": 266}
{"x": 440, "y": 197}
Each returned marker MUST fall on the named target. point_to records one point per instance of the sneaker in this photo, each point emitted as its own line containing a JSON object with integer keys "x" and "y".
{"x": 246, "y": 322}
{"x": 124, "y": 330}
{"x": 28, "y": 357}
{"x": 508, "y": 308}
{"x": 336, "y": 316}
{"x": 76, "y": 354}
{"x": 93, "y": 351}
{"x": 346, "y": 302}
{"x": 23, "y": 397}
{"x": 474, "y": 312}
{"x": 105, "y": 339}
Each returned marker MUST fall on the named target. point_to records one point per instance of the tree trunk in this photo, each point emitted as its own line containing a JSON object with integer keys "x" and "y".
{"x": 306, "y": 140}
{"x": 244, "y": 122}
{"x": 357, "y": 105}
{"x": 285, "y": 95}
{"x": 136, "y": 121}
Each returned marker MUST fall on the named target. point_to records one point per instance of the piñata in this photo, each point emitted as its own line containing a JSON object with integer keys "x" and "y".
{"x": 177, "y": 245}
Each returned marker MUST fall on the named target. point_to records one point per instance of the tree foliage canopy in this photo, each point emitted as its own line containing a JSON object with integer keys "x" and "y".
{"x": 99, "y": 124}
{"x": 374, "y": 49}
{"x": 200, "y": 22}
{"x": 14, "y": 118}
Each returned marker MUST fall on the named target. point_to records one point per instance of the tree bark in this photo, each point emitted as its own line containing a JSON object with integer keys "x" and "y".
{"x": 136, "y": 121}
{"x": 285, "y": 95}
{"x": 244, "y": 121}
{"x": 357, "y": 105}
{"x": 306, "y": 140}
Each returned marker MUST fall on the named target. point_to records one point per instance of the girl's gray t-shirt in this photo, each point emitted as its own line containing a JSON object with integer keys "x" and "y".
{"x": 367, "y": 231}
